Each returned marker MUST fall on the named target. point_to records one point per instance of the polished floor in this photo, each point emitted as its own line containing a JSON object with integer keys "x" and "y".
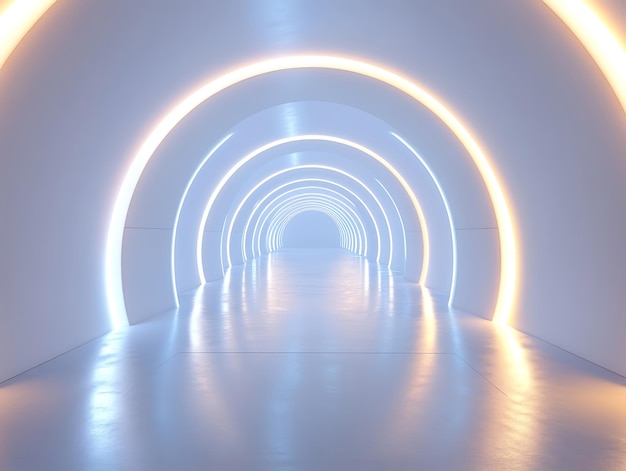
{"x": 314, "y": 360}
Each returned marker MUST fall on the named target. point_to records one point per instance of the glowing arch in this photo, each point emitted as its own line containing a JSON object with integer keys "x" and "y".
{"x": 309, "y": 199}
{"x": 508, "y": 270}
{"x": 274, "y": 239}
{"x": 279, "y": 226}
{"x": 323, "y": 138}
{"x": 601, "y": 44}
{"x": 604, "y": 48}
{"x": 179, "y": 210}
{"x": 362, "y": 247}
{"x": 393, "y": 202}
{"x": 260, "y": 203}
{"x": 281, "y": 172}
{"x": 444, "y": 200}
{"x": 299, "y": 204}
{"x": 302, "y": 203}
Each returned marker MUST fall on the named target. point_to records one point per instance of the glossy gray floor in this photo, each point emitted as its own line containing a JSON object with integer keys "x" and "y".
{"x": 314, "y": 361}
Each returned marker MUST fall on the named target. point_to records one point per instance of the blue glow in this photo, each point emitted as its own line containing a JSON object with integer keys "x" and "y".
{"x": 349, "y": 235}
{"x": 280, "y": 187}
{"x": 399, "y": 217}
{"x": 258, "y": 204}
{"x": 276, "y": 237}
{"x": 281, "y": 225}
{"x": 349, "y": 217}
{"x": 323, "y": 138}
{"x": 448, "y": 212}
{"x": 180, "y": 208}
{"x": 359, "y": 182}
{"x": 310, "y": 201}
{"x": 358, "y": 244}
{"x": 281, "y": 172}
{"x": 290, "y": 183}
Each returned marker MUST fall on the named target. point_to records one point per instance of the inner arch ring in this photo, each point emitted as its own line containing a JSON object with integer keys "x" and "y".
{"x": 113, "y": 269}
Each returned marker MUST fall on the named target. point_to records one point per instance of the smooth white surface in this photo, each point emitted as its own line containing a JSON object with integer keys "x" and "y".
{"x": 478, "y": 294}
{"x": 314, "y": 360}
{"x": 146, "y": 273}
{"x": 310, "y": 229}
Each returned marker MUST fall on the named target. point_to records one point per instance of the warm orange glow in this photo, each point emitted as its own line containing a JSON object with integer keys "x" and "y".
{"x": 604, "y": 48}
{"x": 610, "y": 56}
{"x": 508, "y": 270}
{"x": 337, "y": 140}
{"x": 16, "y": 20}
{"x": 517, "y": 364}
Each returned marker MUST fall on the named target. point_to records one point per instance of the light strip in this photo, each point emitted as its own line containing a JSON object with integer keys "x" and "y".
{"x": 594, "y": 35}
{"x": 276, "y": 227}
{"x": 243, "y": 237}
{"x": 16, "y": 21}
{"x": 343, "y": 211}
{"x": 399, "y": 218}
{"x": 356, "y": 242}
{"x": 262, "y": 200}
{"x": 283, "y": 212}
{"x": 257, "y": 205}
{"x": 300, "y": 167}
{"x": 442, "y": 194}
{"x": 180, "y": 208}
{"x": 508, "y": 271}
{"x": 282, "y": 224}
{"x": 189, "y": 103}
{"x": 361, "y": 236}
{"x": 336, "y": 140}
{"x": 250, "y": 218}
{"x": 262, "y": 219}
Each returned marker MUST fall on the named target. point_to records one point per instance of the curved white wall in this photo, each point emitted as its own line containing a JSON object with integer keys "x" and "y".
{"x": 90, "y": 81}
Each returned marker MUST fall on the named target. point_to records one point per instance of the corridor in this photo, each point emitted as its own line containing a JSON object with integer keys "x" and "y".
{"x": 314, "y": 360}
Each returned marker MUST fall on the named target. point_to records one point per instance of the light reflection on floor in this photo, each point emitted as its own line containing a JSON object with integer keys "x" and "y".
{"x": 314, "y": 361}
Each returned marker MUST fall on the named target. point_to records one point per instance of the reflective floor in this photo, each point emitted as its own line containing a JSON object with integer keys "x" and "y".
{"x": 314, "y": 361}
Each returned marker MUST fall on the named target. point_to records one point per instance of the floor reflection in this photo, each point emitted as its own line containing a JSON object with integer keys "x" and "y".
{"x": 314, "y": 360}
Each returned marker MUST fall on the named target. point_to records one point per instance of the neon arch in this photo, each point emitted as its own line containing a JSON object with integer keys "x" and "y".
{"x": 302, "y": 203}
{"x": 393, "y": 202}
{"x": 181, "y": 203}
{"x": 260, "y": 203}
{"x": 362, "y": 242}
{"x": 508, "y": 270}
{"x": 262, "y": 200}
{"x": 309, "y": 198}
{"x": 279, "y": 226}
{"x": 281, "y": 172}
{"x": 324, "y": 138}
{"x": 444, "y": 199}
{"x": 275, "y": 238}
{"x": 257, "y": 227}
{"x": 329, "y": 182}
{"x": 275, "y": 228}
{"x": 601, "y": 44}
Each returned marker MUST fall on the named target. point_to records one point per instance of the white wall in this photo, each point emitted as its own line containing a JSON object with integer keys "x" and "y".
{"x": 311, "y": 230}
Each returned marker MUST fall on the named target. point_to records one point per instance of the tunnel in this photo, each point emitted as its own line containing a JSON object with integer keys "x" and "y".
{"x": 313, "y": 234}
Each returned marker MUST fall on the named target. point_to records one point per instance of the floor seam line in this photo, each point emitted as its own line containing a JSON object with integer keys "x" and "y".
{"x": 481, "y": 375}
